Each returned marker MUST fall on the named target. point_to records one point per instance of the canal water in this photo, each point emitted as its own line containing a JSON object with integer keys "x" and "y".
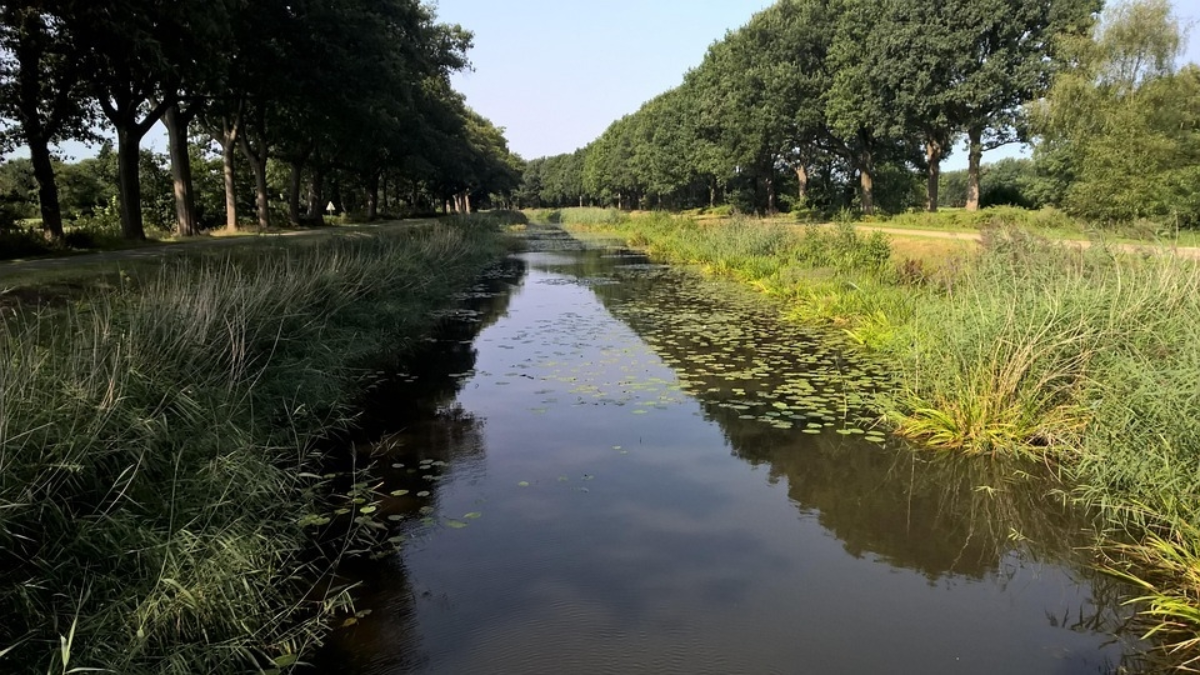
{"x": 607, "y": 466}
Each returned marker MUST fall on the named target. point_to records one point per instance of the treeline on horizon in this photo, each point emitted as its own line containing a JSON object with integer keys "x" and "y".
{"x": 304, "y": 101}
{"x": 826, "y": 105}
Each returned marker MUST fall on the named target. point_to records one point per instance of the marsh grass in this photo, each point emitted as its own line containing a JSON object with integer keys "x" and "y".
{"x": 825, "y": 274}
{"x": 157, "y": 449}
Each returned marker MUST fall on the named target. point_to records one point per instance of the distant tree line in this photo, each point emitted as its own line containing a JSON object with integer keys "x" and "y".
{"x": 306, "y": 101}
{"x": 831, "y": 104}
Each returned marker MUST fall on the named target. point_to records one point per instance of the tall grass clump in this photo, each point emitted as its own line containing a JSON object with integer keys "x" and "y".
{"x": 157, "y": 449}
{"x": 496, "y": 219}
{"x": 579, "y": 216}
{"x": 1086, "y": 360}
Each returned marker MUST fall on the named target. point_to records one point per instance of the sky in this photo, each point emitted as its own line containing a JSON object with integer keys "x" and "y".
{"x": 556, "y": 73}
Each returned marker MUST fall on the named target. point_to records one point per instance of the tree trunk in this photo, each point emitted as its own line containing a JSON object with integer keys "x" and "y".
{"x": 181, "y": 171}
{"x": 802, "y": 179}
{"x": 258, "y": 167}
{"x": 316, "y": 196}
{"x": 372, "y": 197}
{"x": 43, "y": 171}
{"x": 933, "y": 158}
{"x": 294, "y": 194}
{"x": 975, "y": 138}
{"x": 29, "y": 53}
{"x": 867, "y": 181}
{"x": 129, "y": 184}
{"x": 262, "y": 194}
{"x": 228, "y": 142}
{"x": 772, "y": 208}
{"x": 467, "y": 202}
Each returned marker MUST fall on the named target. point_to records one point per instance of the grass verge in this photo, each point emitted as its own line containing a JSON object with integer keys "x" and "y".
{"x": 1088, "y": 360}
{"x": 158, "y": 462}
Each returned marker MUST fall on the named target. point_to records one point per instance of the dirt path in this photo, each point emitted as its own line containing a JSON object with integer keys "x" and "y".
{"x": 99, "y": 260}
{"x": 1189, "y": 252}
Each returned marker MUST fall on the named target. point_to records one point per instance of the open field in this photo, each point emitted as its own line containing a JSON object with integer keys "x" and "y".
{"x": 89, "y": 261}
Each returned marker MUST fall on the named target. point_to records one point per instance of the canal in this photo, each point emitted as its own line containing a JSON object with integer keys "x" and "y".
{"x": 602, "y": 465}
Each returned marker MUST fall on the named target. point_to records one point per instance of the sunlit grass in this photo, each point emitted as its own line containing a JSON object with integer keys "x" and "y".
{"x": 156, "y": 447}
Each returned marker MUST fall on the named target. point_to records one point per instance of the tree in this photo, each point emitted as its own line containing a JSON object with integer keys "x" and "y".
{"x": 858, "y": 116}
{"x": 134, "y": 51}
{"x": 1016, "y": 52}
{"x": 1121, "y": 128}
{"x": 42, "y": 89}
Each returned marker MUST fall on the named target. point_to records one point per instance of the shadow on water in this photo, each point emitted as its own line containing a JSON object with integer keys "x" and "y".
{"x": 570, "y": 407}
{"x": 412, "y": 415}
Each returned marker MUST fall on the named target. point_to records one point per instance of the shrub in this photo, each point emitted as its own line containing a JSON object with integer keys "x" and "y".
{"x": 23, "y": 243}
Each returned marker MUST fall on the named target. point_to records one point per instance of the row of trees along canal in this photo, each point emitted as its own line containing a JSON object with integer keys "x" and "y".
{"x": 349, "y": 96}
{"x": 856, "y": 103}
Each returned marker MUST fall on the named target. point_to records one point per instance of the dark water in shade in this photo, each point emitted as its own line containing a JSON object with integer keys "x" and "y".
{"x": 627, "y": 470}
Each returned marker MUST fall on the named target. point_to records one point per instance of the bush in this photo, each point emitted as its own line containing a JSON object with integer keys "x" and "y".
{"x": 23, "y": 243}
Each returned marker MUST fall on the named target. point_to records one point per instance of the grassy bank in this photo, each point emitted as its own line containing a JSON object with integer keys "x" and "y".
{"x": 158, "y": 467}
{"x": 1086, "y": 360}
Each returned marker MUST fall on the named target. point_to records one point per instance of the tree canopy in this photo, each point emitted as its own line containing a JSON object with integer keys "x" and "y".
{"x": 341, "y": 99}
{"x": 831, "y": 104}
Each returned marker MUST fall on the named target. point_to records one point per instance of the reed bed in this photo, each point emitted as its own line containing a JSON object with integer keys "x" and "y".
{"x": 158, "y": 449}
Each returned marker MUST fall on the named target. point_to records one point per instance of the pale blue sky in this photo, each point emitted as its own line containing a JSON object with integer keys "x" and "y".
{"x": 555, "y": 74}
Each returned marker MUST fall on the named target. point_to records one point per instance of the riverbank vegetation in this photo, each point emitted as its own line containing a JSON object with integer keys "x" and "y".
{"x": 161, "y": 487}
{"x": 276, "y": 109}
{"x": 1086, "y": 359}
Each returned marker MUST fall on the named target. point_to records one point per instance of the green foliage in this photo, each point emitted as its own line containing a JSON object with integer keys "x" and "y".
{"x": 589, "y": 216}
{"x": 1008, "y": 182}
{"x": 387, "y": 116}
{"x": 18, "y": 242}
{"x": 1120, "y": 129}
{"x": 158, "y": 444}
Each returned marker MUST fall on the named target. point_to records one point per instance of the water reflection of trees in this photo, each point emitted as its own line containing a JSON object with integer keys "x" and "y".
{"x": 938, "y": 515}
{"x": 409, "y": 417}
{"x": 420, "y": 382}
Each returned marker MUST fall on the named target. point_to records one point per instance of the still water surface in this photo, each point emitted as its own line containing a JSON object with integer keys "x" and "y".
{"x": 614, "y": 467}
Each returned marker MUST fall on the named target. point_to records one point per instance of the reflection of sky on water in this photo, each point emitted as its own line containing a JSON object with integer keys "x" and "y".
{"x": 628, "y": 526}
